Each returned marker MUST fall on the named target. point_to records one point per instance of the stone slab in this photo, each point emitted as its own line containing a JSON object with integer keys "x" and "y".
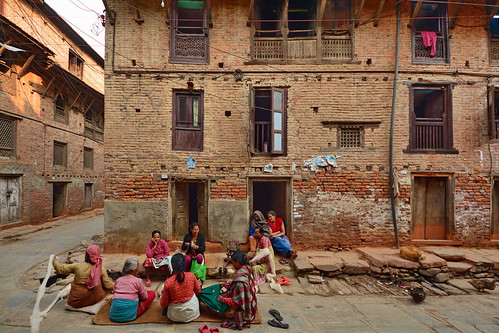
{"x": 382, "y": 256}
{"x": 327, "y": 263}
{"x": 491, "y": 254}
{"x": 477, "y": 257}
{"x": 356, "y": 267}
{"x": 432, "y": 260}
{"x": 446, "y": 252}
{"x": 302, "y": 264}
{"x": 458, "y": 267}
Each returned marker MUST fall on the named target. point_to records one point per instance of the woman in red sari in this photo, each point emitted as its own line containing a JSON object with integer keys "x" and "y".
{"x": 278, "y": 237}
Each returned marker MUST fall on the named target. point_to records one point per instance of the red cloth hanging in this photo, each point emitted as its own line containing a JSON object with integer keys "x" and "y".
{"x": 430, "y": 40}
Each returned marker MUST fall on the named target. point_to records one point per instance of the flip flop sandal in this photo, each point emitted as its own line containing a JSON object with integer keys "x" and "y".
{"x": 214, "y": 330}
{"x": 276, "y": 314}
{"x": 277, "y": 324}
{"x": 148, "y": 283}
{"x": 203, "y": 329}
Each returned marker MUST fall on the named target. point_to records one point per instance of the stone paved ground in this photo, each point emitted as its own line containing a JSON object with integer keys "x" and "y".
{"x": 354, "y": 302}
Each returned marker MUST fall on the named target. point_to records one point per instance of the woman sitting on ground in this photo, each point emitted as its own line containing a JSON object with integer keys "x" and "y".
{"x": 240, "y": 295}
{"x": 278, "y": 235}
{"x": 91, "y": 283}
{"x": 179, "y": 292}
{"x": 131, "y": 299}
{"x": 193, "y": 246}
{"x": 257, "y": 221}
{"x": 157, "y": 249}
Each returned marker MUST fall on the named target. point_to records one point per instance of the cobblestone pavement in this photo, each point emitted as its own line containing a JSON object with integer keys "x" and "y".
{"x": 344, "y": 311}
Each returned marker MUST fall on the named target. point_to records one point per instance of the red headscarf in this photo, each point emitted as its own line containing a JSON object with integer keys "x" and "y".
{"x": 94, "y": 278}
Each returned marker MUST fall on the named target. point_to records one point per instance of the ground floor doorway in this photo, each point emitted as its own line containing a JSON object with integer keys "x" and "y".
{"x": 9, "y": 198}
{"x": 190, "y": 205}
{"x": 432, "y": 208}
{"x": 495, "y": 210}
{"x": 59, "y": 199}
{"x": 272, "y": 194}
{"x": 88, "y": 195}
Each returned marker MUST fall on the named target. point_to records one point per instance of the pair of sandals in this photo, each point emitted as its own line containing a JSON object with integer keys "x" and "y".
{"x": 205, "y": 329}
{"x": 277, "y": 321}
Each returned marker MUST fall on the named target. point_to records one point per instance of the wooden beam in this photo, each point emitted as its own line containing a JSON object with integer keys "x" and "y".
{"x": 74, "y": 102}
{"x": 492, "y": 14}
{"x": 23, "y": 69}
{"x": 285, "y": 14}
{"x": 321, "y": 12}
{"x": 48, "y": 86}
{"x": 378, "y": 12}
{"x": 456, "y": 13}
{"x": 3, "y": 48}
{"x": 359, "y": 12}
{"x": 210, "y": 20}
{"x": 251, "y": 13}
{"x": 415, "y": 13}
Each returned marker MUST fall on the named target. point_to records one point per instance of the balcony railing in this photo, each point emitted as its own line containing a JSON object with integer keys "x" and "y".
{"x": 496, "y": 124}
{"x": 429, "y": 134}
{"x": 422, "y": 54}
{"x": 262, "y": 137}
{"x": 337, "y": 48}
{"x": 494, "y": 51}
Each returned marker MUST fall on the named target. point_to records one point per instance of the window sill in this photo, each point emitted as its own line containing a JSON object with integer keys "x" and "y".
{"x": 431, "y": 151}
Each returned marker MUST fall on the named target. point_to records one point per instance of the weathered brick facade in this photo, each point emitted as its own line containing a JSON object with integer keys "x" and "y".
{"x": 35, "y": 185}
{"x": 336, "y": 206}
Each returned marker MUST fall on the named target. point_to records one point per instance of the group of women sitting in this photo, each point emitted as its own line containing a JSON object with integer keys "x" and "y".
{"x": 182, "y": 290}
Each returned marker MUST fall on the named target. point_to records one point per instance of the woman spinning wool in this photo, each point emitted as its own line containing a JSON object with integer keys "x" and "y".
{"x": 278, "y": 235}
{"x": 91, "y": 283}
{"x": 240, "y": 295}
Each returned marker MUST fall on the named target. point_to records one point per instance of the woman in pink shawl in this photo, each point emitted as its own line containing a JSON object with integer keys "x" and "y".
{"x": 91, "y": 283}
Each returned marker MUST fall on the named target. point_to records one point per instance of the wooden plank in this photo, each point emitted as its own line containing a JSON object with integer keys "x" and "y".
{"x": 415, "y": 13}
{"x": 456, "y": 13}
{"x": 436, "y": 217}
{"x": 359, "y": 12}
{"x": 3, "y": 47}
{"x": 378, "y": 12}
{"x": 418, "y": 207}
{"x": 23, "y": 69}
{"x": 492, "y": 13}
{"x": 321, "y": 12}
{"x": 250, "y": 13}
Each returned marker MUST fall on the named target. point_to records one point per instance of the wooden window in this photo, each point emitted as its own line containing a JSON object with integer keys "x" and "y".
{"x": 431, "y": 120}
{"x": 294, "y": 29}
{"x": 493, "y": 32}
{"x": 60, "y": 154}
{"x": 493, "y": 113}
{"x": 7, "y": 137}
{"x": 188, "y": 120}
{"x": 268, "y": 117}
{"x": 61, "y": 113}
{"x": 94, "y": 122}
{"x": 350, "y": 136}
{"x": 88, "y": 158}
{"x": 189, "y": 42}
{"x": 75, "y": 64}
{"x": 430, "y": 24}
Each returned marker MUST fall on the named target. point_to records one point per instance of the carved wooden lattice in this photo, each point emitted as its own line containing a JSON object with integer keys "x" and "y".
{"x": 423, "y": 53}
{"x": 6, "y": 137}
{"x": 494, "y": 51}
{"x": 268, "y": 50}
{"x": 350, "y": 136}
{"x": 337, "y": 48}
{"x": 190, "y": 46}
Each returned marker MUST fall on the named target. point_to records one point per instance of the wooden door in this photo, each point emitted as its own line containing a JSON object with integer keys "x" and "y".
{"x": 9, "y": 199}
{"x": 181, "y": 209}
{"x": 88, "y": 196}
{"x": 203, "y": 210}
{"x": 59, "y": 199}
{"x": 429, "y": 208}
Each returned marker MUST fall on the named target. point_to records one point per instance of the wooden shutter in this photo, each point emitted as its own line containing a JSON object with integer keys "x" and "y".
{"x": 491, "y": 109}
{"x": 278, "y": 130}
{"x": 251, "y": 103}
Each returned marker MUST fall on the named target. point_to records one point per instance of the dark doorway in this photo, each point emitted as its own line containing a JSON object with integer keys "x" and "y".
{"x": 495, "y": 211}
{"x": 59, "y": 199}
{"x": 272, "y": 195}
{"x": 88, "y": 195}
{"x": 190, "y": 206}
{"x": 430, "y": 208}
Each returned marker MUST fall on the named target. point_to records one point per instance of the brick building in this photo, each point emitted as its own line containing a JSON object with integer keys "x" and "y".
{"x": 51, "y": 116}
{"x": 217, "y": 108}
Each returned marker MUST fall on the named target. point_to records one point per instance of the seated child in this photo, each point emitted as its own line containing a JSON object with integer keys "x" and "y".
{"x": 157, "y": 250}
{"x": 131, "y": 299}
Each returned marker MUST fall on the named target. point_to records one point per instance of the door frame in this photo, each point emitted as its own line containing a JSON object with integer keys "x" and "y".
{"x": 288, "y": 214}
{"x": 494, "y": 209}
{"x": 18, "y": 178}
{"x": 449, "y": 223}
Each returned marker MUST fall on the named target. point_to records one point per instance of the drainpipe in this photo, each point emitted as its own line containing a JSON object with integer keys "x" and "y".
{"x": 392, "y": 120}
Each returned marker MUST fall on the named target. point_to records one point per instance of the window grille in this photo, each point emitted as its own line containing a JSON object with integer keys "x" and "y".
{"x": 75, "y": 65}
{"x": 351, "y": 136}
{"x": 88, "y": 158}
{"x": 60, "y": 154}
{"x": 7, "y": 132}
{"x": 60, "y": 113}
